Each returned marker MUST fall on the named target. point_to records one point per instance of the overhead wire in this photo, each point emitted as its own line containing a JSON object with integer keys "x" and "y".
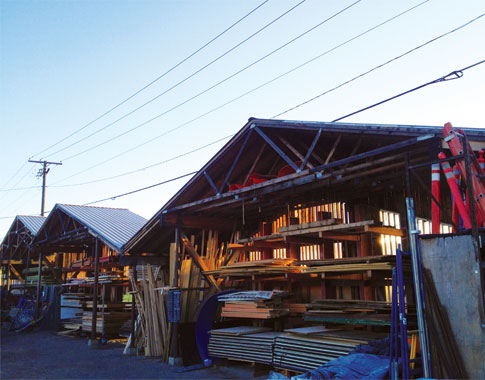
{"x": 379, "y": 66}
{"x": 181, "y": 81}
{"x": 244, "y": 94}
{"x": 154, "y": 80}
{"x": 141, "y": 189}
{"x": 453, "y": 75}
{"x": 256, "y": 88}
{"x": 149, "y": 166}
{"x": 213, "y": 86}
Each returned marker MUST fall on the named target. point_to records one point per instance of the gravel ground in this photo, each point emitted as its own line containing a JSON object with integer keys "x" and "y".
{"x": 44, "y": 355}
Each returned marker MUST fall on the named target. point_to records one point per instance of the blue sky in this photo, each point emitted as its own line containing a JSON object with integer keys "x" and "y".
{"x": 64, "y": 63}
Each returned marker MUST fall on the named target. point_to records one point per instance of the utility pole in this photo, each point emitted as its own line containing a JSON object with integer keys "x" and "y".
{"x": 43, "y": 172}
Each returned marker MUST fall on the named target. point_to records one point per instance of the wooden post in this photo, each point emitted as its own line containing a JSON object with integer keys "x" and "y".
{"x": 133, "y": 309}
{"x": 95, "y": 293}
{"x": 174, "y": 359}
{"x": 39, "y": 287}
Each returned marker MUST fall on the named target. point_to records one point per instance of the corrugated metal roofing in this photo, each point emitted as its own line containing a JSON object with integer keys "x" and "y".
{"x": 32, "y": 222}
{"x": 115, "y": 226}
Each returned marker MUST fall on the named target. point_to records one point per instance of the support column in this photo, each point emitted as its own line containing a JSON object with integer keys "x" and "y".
{"x": 27, "y": 271}
{"x": 95, "y": 293}
{"x": 132, "y": 349}
{"x": 175, "y": 359}
{"x": 39, "y": 287}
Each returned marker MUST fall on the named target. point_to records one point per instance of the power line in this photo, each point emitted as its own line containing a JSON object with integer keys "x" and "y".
{"x": 154, "y": 80}
{"x": 213, "y": 86}
{"x": 141, "y": 189}
{"x": 14, "y": 175}
{"x": 149, "y": 166}
{"x": 457, "y": 74}
{"x": 253, "y": 90}
{"x": 182, "y": 81}
{"x": 244, "y": 94}
{"x": 453, "y": 75}
{"x": 378, "y": 66}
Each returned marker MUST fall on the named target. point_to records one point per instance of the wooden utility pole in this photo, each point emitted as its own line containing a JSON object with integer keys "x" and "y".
{"x": 43, "y": 172}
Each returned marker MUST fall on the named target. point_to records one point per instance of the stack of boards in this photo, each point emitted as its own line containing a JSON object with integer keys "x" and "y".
{"x": 307, "y": 348}
{"x": 244, "y": 343}
{"x": 349, "y": 312}
{"x": 253, "y": 304}
{"x": 72, "y": 310}
{"x": 115, "y": 315}
{"x": 300, "y": 349}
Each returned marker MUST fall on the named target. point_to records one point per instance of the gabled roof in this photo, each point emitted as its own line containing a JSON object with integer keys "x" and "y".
{"x": 254, "y": 150}
{"x": 113, "y": 226}
{"x": 32, "y": 222}
{"x": 20, "y": 236}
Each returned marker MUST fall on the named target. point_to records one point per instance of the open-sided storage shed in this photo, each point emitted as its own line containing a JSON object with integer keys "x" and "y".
{"x": 16, "y": 248}
{"x": 270, "y": 166}
{"x": 307, "y": 191}
{"x": 86, "y": 233}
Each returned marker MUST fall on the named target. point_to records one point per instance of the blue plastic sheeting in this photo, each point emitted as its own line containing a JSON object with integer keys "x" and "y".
{"x": 355, "y": 366}
{"x": 375, "y": 347}
{"x": 203, "y": 326}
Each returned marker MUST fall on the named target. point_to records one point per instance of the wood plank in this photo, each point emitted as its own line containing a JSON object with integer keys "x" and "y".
{"x": 199, "y": 262}
{"x": 386, "y": 230}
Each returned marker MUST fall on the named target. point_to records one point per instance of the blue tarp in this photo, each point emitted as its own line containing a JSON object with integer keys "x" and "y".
{"x": 355, "y": 366}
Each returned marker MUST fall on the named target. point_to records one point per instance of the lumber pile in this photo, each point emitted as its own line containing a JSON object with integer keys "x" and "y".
{"x": 152, "y": 329}
{"x": 194, "y": 282}
{"x": 260, "y": 267}
{"x": 110, "y": 316}
{"x": 72, "y": 310}
{"x": 349, "y": 312}
{"x": 309, "y": 348}
{"x": 254, "y": 304}
{"x": 46, "y": 277}
{"x": 243, "y": 343}
{"x": 354, "y": 264}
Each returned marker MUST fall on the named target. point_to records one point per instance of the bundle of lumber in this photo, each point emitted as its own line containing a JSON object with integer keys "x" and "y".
{"x": 195, "y": 284}
{"x": 259, "y": 267}
{"x": 243, "y": 343}
{"x": 254, "y": 304}
{"x": 72, "y": 310}
{"x": 110, "y": 316}
{"x": 354, "y": 264}
{"x": 46, "y": 276}
{"x": 152, "y": 330}
{"x": 305, "y": 349}
{"x": 349, "y": 312}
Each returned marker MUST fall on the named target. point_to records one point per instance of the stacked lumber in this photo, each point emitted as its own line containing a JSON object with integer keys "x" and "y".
{"x": 259, "y": 267}
{"x": 349, "y": 312}
{"x": 309, "y": 348}
{"x": 152, "y": 330}
{"x": 354, "y": 264}
{"x": 46, "y": 277}
{"x": 110, "y": 316}
{"x": 243, "y": 343}
{"x": 72, "y": 310}
{"x": 254, "y": 304}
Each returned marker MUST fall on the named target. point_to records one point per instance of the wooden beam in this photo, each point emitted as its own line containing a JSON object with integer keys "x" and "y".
{"x": 199, "y": 262}
{"x": 386, "y": 230}
{"x": 51, "y": 268}
{"x": 332, "y": 151}
{"x": 295, "y": 151}
{"x": 191, "y": 221}
{"x": 16, "y": 273}
{"x": 325, "y": 235}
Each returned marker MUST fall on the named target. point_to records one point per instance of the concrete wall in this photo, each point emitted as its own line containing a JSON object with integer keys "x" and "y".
{"x": 456, "y": 273}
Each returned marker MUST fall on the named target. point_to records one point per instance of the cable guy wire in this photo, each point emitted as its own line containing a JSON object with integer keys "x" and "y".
{"x": 153, "y": 81}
